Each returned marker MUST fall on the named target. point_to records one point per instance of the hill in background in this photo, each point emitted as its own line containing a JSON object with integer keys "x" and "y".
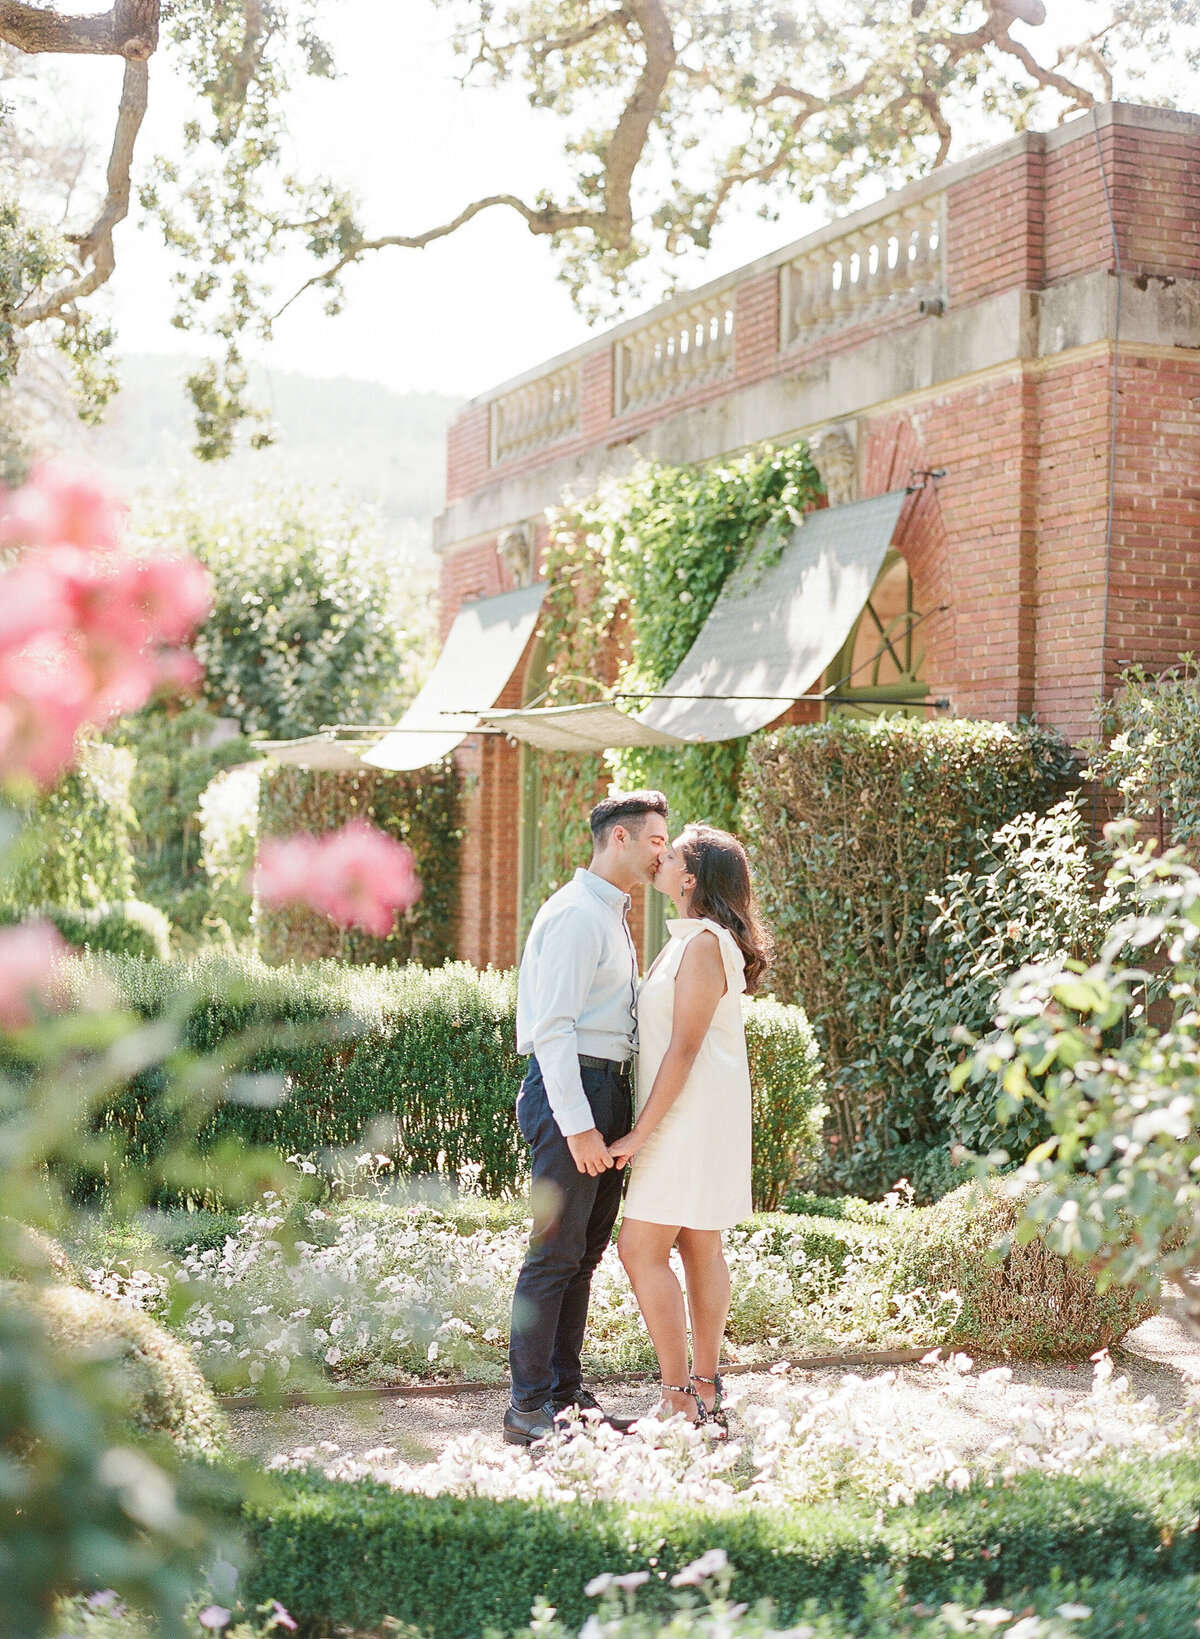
{"x": 376, "y": 446}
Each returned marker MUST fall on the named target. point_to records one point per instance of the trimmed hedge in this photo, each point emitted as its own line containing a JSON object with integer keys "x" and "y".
{"x": 430, "y": 1052}
{"x": 337, "y": 1553}
{"x": 129, "y": 928}
{"x": 1030, "y": 1304}
{"x": 167, "y": 1391}
{"x": 850, "y": 827}
{"x": 421, "y": 809}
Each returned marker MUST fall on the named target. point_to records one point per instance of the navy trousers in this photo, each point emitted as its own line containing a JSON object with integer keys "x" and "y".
{"x": 573, "y": 1218}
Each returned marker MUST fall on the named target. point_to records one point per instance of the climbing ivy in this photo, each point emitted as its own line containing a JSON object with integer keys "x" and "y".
{"x": 632, "y": 575}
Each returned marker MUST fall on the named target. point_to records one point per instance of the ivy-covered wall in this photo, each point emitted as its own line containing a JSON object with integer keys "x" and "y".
{"x": 421, "y": 809}
{"x": 632, "y": 575}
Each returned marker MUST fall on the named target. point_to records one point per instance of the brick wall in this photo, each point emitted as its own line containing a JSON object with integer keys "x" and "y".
{"x": 1013, "y": 539}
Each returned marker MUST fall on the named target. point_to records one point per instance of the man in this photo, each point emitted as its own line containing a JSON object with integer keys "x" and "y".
{"x": 575, "y": 1016}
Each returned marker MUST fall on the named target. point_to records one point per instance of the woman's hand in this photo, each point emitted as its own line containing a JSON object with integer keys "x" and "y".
{"x": 624, "y": 1149}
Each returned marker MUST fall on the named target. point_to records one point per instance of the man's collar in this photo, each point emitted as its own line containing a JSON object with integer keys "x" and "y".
{"x": 603, "y": 889}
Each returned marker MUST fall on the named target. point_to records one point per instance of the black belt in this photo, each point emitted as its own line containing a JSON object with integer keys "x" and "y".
{"x": 615, "y": 1067}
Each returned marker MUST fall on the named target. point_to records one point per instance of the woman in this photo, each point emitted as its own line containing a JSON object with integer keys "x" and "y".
{"x": 689, "y": 1150}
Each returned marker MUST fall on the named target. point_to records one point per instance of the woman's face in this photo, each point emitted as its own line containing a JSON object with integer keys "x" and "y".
{"x": 673, "y": 877}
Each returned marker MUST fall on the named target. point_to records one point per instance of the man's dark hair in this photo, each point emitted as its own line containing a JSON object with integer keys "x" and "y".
{"x": 627, "y": 808}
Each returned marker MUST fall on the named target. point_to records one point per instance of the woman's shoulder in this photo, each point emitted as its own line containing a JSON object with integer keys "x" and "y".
{"x": 711, "y": 942}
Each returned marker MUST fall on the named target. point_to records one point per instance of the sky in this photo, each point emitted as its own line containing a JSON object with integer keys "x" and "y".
{"x": 396, "y": 126}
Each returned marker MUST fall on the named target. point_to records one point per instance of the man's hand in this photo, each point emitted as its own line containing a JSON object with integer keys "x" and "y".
{"x": 589, "y": 1152}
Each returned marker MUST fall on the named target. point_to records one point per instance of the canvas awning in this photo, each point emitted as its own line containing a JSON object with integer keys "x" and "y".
{"x": 780, "y": 620}
{"x": 479, "y": 656}
{"x": 323, "y": 751}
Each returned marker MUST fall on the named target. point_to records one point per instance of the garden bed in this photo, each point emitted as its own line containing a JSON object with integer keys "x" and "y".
{"x": 368, "y": 1290}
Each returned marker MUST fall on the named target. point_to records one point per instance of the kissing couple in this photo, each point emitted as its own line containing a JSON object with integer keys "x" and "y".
{"x": 589, "y": 1026}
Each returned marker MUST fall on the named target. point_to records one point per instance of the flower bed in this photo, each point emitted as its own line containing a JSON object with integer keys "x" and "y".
{"x": 368, "y": 1290}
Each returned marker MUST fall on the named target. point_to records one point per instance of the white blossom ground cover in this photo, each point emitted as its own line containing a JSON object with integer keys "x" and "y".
{"x": 811, "y": 1441}
{"x": 371, "y": 1290}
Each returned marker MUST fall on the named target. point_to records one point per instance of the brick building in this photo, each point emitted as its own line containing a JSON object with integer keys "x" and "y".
{"x": 1028, "y": 321}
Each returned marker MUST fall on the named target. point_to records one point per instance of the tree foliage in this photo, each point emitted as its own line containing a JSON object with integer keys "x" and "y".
{"x": 666, "y": 112}
{"x": 1152, "y": 755}
{"x": 307, "y": 626}
{"x": 1115, "y": 1081}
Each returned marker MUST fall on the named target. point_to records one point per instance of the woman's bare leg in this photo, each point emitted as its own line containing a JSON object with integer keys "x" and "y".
{"x": 707, "y": 1300}
{"x": 645, "y": 1250}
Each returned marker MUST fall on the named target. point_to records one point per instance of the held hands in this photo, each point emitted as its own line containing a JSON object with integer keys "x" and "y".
{"x": 589, "y": 1152}
{"x": 624, "y": 1149}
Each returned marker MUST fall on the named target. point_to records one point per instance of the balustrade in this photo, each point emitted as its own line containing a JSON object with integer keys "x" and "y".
{"x": 535, "y": 415}
{"x": 673, "y": 354}
{"x": 888, "y": 266}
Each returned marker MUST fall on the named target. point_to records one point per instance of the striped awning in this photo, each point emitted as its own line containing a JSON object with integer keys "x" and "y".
{"x": 479, "y": 656}
{"x": 780, "y": 620}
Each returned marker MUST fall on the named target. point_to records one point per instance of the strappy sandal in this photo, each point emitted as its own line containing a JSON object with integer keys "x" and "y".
{"x": 716, "y": 1413}
{"x": 702, "y": 1413}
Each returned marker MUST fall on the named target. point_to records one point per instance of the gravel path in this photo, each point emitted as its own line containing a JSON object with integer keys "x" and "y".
{"x": 1155, "y": 1358}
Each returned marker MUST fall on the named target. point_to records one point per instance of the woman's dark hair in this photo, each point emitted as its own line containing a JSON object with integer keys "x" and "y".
{"x": 723, "y": 893}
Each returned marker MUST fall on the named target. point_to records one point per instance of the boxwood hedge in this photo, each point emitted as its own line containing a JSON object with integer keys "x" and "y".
{"x": 419, "y": 1062}
{"x": 337, "y": 1553}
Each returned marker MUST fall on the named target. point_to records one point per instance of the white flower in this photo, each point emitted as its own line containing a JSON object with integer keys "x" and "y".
{"x": 1073, "y": 1613}
{"x": 631, "y": 1580}
{"x": 598, "y": 1585}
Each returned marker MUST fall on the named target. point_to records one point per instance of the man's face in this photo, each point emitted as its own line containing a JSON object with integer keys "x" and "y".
{"x": 645, "y": 851}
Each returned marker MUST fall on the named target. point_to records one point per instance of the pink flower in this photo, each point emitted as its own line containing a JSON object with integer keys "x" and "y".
{"x": 282, "y": 1617}
{"x": 357, "y": 876}
{"x": 215, "y": 1617}
{"x": 86, "y": 633}
{"x": 29, "y": 957}
{"x": 58, "y": 506}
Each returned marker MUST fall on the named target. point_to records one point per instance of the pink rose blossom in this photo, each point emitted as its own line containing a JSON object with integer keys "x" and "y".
{"x": 357, "y": 876}
{"x": 58, "y": 506}
{"x": 86, "y": 632}
{"x": 215, "y": 1617}
{"x": 282, "y": 1617}
{"x": 29, "y": 978}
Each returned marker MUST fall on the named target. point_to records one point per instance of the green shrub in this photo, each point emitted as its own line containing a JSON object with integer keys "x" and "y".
{"x": 179, "y": 752}
{"x": 789, "y": 1089}
{"x": 77, "y": 846}
{"x": 130, "y": 928}
{"x": 456, "y": 1567}
{"x": 1152, "y": 755}
{"x": 1033, "y": 898}
{"x": 851, "y": 827}
{"x": 428, "y": 1051}
{"x": 1111, "y": 1610}
{"x": 1031, "y": 1303}
{"x": 422, "y": 809}
{"x": 310, "y": 623}
{"x": 167, "y": 1392}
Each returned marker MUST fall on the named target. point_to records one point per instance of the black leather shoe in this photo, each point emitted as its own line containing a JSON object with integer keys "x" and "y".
{"x": 522, "y": 1428}
{"x": 584, "y": 1400}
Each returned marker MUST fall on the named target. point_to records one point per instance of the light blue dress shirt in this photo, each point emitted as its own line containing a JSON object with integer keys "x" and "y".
{"x": 576, "y": 990}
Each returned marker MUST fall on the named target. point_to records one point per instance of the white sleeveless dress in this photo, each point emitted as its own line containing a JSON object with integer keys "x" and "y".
{"x": 694, "y": 1169}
